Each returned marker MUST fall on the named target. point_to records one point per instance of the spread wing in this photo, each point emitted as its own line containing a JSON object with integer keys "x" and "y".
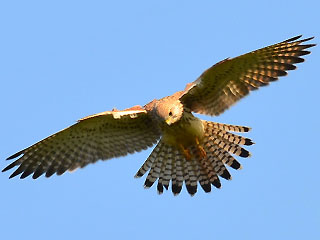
{"x": 222, "y": 85}
{"x": 100, "y": 136}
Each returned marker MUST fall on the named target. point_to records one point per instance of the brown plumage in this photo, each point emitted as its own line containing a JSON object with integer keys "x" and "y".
{"x": 189, "y": 150}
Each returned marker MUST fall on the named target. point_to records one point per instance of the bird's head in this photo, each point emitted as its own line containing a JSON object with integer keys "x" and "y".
{"x": 168, "y": 111}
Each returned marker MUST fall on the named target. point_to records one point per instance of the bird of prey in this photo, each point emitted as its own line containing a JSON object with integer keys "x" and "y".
{"x": 189, "y": 150}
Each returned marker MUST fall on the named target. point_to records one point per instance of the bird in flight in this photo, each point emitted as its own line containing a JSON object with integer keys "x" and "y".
{"x": 189, "y": 150}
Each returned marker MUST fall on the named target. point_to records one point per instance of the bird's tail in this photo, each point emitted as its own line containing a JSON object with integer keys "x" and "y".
{"x": 167, "y": 163}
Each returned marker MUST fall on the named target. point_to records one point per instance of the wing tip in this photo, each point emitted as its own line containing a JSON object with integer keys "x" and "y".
{"x": 297, "y": 38}
{"x": 15, "y": 155}
{"x": 293, "y": 38}
{"x": 8, "y": 167}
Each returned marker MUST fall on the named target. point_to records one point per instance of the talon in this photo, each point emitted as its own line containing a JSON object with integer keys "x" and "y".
{"x": 201, "y": 150}
{"x": 185, "y": 152}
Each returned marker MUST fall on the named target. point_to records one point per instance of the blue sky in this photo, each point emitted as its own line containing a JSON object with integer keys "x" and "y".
{"x": 63, "y": 60}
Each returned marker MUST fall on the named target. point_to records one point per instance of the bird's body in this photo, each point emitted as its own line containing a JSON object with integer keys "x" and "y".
{"x": 185, "y": 132}
{"x": 180, "y": 128}
{"x": 189, "y": 150}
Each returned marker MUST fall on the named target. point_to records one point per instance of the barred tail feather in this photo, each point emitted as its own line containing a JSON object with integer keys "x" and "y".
{"x": 192, "y": 170}
{"x": 150, "y": 160}
{"x": 165, "y": 172}
{"x": 155, "y": 168}
{"x": 177, "y": 178}
{"x": 167, "y": 163}
{"x": 226, "y": 127}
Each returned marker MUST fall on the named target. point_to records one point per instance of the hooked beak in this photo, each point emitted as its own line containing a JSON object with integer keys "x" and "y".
{"x": 168, "y": 121}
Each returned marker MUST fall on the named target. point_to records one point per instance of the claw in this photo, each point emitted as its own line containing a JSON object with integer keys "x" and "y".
{"x": 186, "y": 152}
{"x": 201, "y": 150}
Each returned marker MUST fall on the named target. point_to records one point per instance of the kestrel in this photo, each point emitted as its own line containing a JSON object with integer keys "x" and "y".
{"x": 188, "y": 149}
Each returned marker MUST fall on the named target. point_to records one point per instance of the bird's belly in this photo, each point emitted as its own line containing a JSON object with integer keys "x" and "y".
{"x": 184, "y": 133}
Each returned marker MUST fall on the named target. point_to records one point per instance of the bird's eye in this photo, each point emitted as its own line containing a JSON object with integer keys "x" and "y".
{"x": 170, "y": 113}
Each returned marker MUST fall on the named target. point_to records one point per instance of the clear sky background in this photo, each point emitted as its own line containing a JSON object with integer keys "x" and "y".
{"x": 63, "y": 60}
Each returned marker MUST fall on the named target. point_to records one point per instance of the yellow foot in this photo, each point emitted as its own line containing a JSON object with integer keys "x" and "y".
{"x": 200, "y": 149}
{"x": 202, "y": 152}
{"x": 185, "y": 152}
